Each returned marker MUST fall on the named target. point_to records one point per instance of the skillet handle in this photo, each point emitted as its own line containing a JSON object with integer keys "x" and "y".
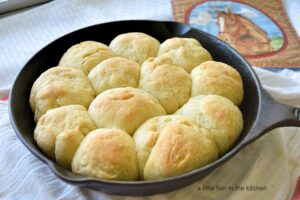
{"x": 272, "y": 115}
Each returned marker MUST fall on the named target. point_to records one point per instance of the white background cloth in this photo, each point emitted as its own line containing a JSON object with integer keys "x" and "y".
{"x": 271, "y": 161}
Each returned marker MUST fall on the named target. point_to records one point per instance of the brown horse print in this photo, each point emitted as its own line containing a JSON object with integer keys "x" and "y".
{"x": 243, "y": 34}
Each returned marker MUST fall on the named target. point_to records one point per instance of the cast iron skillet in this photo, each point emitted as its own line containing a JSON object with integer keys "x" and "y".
{"x": 260, "y": 112}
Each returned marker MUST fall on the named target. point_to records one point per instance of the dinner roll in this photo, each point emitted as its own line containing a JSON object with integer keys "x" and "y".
{"x": 107, "y": 154}
{"x": 85, "y": 55}
{"x": 176, "y": 42}
{"x": 114, "y": 72}
{"x": 124, "y": 108}
{"x": 171, "y": 85}
{"x": 135, "y": 46}
{"x": 59, "y": 132}
{"x": 59, "y": 86}
{"x": 66, "y": 144}
{"x": 172, "y": 145}
{"x": 218, "y": 115}
{"x": 218, "y": 78}
{"x": 187, "y": 57}
{"x": 183, "y": 52}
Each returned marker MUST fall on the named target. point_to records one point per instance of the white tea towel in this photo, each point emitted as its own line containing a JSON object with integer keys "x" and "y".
{"x": 271, "y": 162}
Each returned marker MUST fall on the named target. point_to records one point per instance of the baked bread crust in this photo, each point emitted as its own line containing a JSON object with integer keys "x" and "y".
{"x": 60, "y": 131}
{"x": 217, "y": 78}
{"x": 85, "y": 55}
{"x": 124, "y": 108}
{"x": 176, "y": 42}
{"x": 171, "y": 85}
{"x": 171, "y": 145}
{"x": 113, "y": 73}
{"x": 59, "y": 86}
{"x": 135, "y": 46}
{"x": 107, "y": 154}
{"x": 183, "y": 52}
{"x": 218, "y": 115}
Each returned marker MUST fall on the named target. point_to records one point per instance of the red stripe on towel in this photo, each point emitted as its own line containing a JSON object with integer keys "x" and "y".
{"x": 296, "y": 195}
{"x": 4, "y": 98}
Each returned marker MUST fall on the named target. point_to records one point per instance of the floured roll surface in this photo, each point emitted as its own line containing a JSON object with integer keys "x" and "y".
{"x": 176, "y": 42}
{"x": 107, "y": 154}
{"x": 60, "y": 131}
{"x": 218, "y": 78}
{"x": 171, "y": 85}
{"x": 113, "y": 73}
{"x": 124, "y": 108}
{"x": 218, "y": 115}
{"x": 135, "y": 46}
{"x": 85, "y": 55}
{"x": 59, "y": 86}
{"x": 172, "y": 145}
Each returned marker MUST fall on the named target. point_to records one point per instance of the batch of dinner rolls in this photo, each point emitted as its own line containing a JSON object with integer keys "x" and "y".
{"x": 137, "y": 109}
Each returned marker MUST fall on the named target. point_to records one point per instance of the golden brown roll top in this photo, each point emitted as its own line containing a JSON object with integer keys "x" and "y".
{"x": 171, "y": 85}
{"x": 113, "y": 73}
{"x": 218, "y": 115}
{"x": 135, "y": 46}
{"x": 59, "y": 132}
{"x": 218, "y": 78}
{"x": 59, "y": 86}
{"x": 86, "y": 55}
{"x": 107, "y": 154}
{"x": 172, "y": 145}
{"x": 124, "y": 108}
